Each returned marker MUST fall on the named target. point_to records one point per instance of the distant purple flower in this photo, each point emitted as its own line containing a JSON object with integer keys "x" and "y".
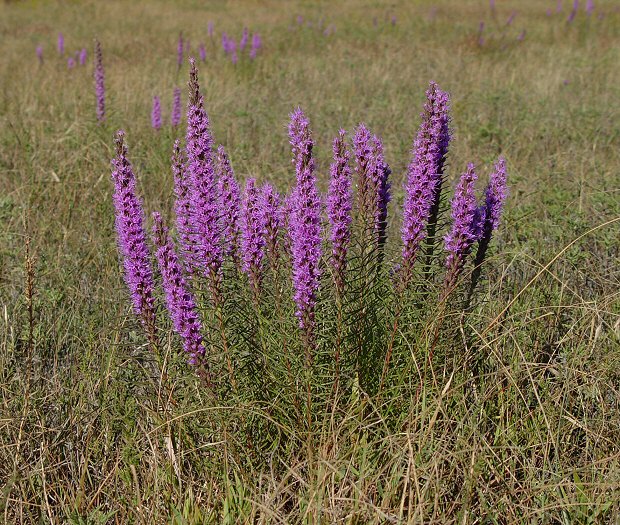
{"x": 175, "y": 114}
{"x": 40, "y": 54}
{"x": 255, "y": 46}
{"x": 61, "y": 44}
{"x": 300, "y": 19}
{"x": 271, "y": 206}
{"x": 99, "y": 82}
{"x": 245, "y": 37}
{"x": 82, "y": 56}
{"x": 201, "y": 178}
{"x": 234, "y": 58}
{"x": 375, "y": 22}
{"x": 425, "y": 172}
{"x": 548, "y": 12}
{"x": 253, "y": 235}
{"x": 492, "y": 5}
{"x": 210, "y": 29}
{"x": 521, "y": 36}
{"x": 179, "y": 298}
{"x": 131, "y": 236}
{"x": 571, "y": 16}
{"x": 589, "y": 7}
{"x": 230, "y": 204}
{"x": 511, "y": 18}
{"x": 305, "y": 225}
{"x": 225, "y": 43}
{"x": 180, "y": 51}
{"x": 339, "y": 205}
{"x": 565, "y": 82}
{"x": 575, "y": 5}
{"x": 480, "y": 31}
{"x": 465, "y": 223}
{"x": 393, "y": 20}
{"x": 156, "y": 113}
{"x": 558, "y": 8}
{"x": 70, "y": 63}
{"x": 202, "y": 52}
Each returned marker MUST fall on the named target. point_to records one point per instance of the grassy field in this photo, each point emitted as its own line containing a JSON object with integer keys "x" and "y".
{"x": 89, "y": 434}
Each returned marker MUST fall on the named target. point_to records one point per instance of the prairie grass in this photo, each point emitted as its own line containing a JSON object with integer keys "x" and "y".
{"x": 520, "y": 423}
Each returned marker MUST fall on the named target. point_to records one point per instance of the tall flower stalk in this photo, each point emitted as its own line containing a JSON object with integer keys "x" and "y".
{"x": 339, "y": 205}
{"x": 230, "y": 206}
{"x": 61, "y": 44}
{"x": 99, "y": 82}
{"x": 305, "y": 226}
{"x": 305, "y": 232}
{"x": 132, "y": 238}
{"x": 465, "y": 227}
{"x": 253, "y": 236}
{"x": 180, "y": 301}
{"x": 203, "y": 187}
{"x": 156, "y": 113}
{"x": 180, "y": 49}
{"x": 488, "y": 217}
{"x": 425, "y": 177}
{"x": 183, "y": 209}
{"x": 175, "y": 114}
{"x": 271, "y": 205}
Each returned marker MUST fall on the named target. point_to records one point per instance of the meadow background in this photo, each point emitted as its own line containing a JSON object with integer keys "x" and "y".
{"x": 86, "y": 436}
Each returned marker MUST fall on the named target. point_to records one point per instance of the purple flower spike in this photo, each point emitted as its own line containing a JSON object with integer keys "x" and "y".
{"x": 156, "y": 114}
{"x": 253, "y": 235}
{"x": 99, "y": 82}
{"x": 61, "y": 44}
{"x": 230, "y": 205}
{"x": 202, "y": 52}
{"x": 511, "y": 18}
{"x": 521, "y": 36}
{"x": 495, "y": 195}
{"x": 271, "y": 206}
{"x": 558, "y": 8}
{"x": 256, "y": 45}
{"x": 179, "y": 299}
{"x": 339, "y": 205}
{"x": 175, "y": 115}
{"x": 201, "y": 177}
{"x": 364, "y": 167}
{"x": 40, "y": 54}
{"x": 465, "y": 225}
{"x": 425, "y": 174}
{"x": 132, "y": 237}
{"x": 381, "y": 189}
{"x": 210, "y": 29}
{"x": 373, "y": 188}
{"x": 183, "y": 209}
{"x": 70, "y": 63}
{"x": 305, "y": 225}
{"x": 82, "y": 56}
{"x": 180, "y": 51}
{"x": 245, "y": 37}
{"x": 589, "y": 7}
